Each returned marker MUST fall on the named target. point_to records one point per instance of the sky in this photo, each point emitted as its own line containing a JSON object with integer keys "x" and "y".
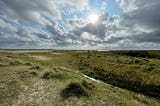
{"x": 80, "y": 24}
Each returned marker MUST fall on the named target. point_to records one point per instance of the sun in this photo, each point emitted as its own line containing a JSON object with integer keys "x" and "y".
{"x": 93, "y": 18}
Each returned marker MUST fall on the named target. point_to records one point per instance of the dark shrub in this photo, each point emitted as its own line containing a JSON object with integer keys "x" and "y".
{"x": 36, "y": 67}
{"x": 33, "y": 73}
{"x": 77, "y": 89}
{"x": 48, "y": 75}
{"x": 74, "y": 89}
{"x": 143, "y": 54}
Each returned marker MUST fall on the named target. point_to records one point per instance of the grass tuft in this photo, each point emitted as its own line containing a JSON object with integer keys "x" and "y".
{"x": 77, "y": 89}
{"x": 36, "y": 67}
{"x": 56, "y": 74}
{"x": 48, "y": 75}
{"x": 16, "y": 62}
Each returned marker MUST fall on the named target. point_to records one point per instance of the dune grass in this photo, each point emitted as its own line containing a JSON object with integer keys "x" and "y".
{"x": 24, "y": 80}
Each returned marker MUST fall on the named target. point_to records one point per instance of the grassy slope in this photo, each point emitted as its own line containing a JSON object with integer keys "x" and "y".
{"x": 22, "y": 83}
{"x": 134, "y": 70}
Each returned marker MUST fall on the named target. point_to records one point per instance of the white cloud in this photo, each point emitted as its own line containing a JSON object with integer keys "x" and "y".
{"x": 35, "y": 10}
{"x": 137, "y": 27}
{"x": 79, "y": 4}
{"x": 7, "y": 26}
{"x": 30, "y": 10}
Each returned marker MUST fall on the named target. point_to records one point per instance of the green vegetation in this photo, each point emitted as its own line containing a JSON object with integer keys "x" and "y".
{"x": 144, "y": 54}
{"x": 133, "y": 70}
{"x": 60, "y": 74}
{"x": 77, "y": 89}
{"x": 56, "y": 78}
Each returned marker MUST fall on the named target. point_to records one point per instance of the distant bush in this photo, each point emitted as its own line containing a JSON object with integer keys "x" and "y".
{"x": 3, "y": 65}
{"x": 33, "y": 73}
{"x": 147, "y": 68}
{"x": 36, "y": 67}
{"x": 28, "y": 64}
{"x": 9, "y": 56}
{"x": 144, "y": 54}
{"x": 16, "y": 62}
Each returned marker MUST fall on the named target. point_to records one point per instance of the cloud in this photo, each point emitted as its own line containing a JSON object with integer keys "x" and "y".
{"x": 28, "y": 23}
{"x": 35, "y": 10}
{"x": 6, "y": 26}
{"x": 138, "y": 23}
{"x": 79, "y": 4}
{"x": 40, "y": 24}
{"x": 136, "y": 27}
{"x": 58, "y": 34}
{"x": 98, "y": 28}
{"x": 30, "y": 10}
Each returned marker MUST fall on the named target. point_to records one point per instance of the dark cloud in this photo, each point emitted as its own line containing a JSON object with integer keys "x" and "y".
{"x": 57, "y": 33}
{"x": 146, "y": 14}
{"x": 153, "y": 37}
{"x": 139, "y": 22}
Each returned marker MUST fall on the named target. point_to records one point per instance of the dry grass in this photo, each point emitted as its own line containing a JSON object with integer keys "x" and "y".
{"x": 21, "y": 85}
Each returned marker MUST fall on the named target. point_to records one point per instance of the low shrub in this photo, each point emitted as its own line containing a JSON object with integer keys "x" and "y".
{"x": 74, "y": 89}
{"x": 36, "y": 67}
{"x": 143, "y": 54}
{"x": 16, "y": 62}
{"x": 55, "y": 75}
{"x": 87, "y": 85}
{"x": 28, "y": 64}
{"x": 33, "y": 73}
{"x": 48, "y": 75}
{"x": 77, "y": 89}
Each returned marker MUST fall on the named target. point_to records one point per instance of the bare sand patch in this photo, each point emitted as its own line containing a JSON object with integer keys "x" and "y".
{"x": 40, "y": 57}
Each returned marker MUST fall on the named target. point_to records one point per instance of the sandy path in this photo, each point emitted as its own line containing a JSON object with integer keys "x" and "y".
{"x": 32, "y": 95}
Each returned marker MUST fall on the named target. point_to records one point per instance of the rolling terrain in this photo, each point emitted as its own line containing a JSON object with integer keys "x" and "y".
{"x": 80, "y": 78}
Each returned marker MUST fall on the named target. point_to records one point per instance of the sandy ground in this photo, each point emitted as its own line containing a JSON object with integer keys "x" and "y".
{"x": 40, "y": 57}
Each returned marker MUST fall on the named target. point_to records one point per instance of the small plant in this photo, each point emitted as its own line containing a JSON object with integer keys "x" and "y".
{"x": 28, "y": 64}
{"x": 148, "y": 68}
{"x": 16, "y": 62}
{"x": 33, "y": 73}
{"x": 87, "y": 85}
{"x": 48, "y": 75}
{"x": 2, "y": 65}
{"x": 36, "y": 67}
